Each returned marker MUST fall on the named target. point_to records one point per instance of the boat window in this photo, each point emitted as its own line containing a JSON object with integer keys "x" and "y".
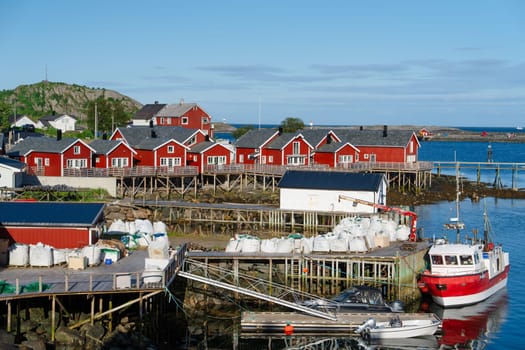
{"x": 476, "y": 258}
{"x": 465, "y": 259}
{"x": 437, "y": 259}
{"x": 451, "y": 259}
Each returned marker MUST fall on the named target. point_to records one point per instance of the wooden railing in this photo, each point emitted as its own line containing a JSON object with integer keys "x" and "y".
{"x": 135, "y": 171}
{"x": 266, "y": 169}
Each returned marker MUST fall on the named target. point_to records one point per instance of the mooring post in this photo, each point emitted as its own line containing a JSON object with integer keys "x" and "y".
{"x": 53, "y": 321}
{"x": 8, "y": 317}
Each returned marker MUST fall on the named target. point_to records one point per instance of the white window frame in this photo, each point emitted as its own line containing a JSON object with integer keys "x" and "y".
{"x": 184, "y": 120}
{"x": 46, "y": 161}
{"x": 171, "y": 149}
{"x": 270, "y": 159}
{"x": 38, "y": 161}
{"x": 345, "y": 159}
{"x": 296, "y": 146}
{"x": 216, "y": 160}
{"x": 170, "y": 162}
{"x": 120, "y": 162}
{"x": 241, "y": 158}
{"x": 77, "y": 163}
{"x": 296, "y": 160}
{"x": 76, "y": 149}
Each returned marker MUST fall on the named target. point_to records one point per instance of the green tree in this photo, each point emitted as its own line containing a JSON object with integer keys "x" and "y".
{"x": 5, "y": 110}
{"x": 241, "y": 131}
{"x": 292, "y": 124}
{"x": 110, "y": 113}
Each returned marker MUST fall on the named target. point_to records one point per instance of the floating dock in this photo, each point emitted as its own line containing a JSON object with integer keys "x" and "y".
{"x": 346, "y": 323}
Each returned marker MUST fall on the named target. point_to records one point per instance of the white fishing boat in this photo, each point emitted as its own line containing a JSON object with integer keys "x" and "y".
{"x": 398, "y": 329}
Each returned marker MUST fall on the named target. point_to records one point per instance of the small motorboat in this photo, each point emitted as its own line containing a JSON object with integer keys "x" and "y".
{"x": 398, "y": 329}
{"x": 356, "y": 299}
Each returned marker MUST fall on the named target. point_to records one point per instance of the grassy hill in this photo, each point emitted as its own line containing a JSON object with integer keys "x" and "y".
{"x": 45, "y": 98}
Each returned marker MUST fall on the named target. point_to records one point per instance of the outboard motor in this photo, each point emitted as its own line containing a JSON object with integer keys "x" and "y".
{"x": 370, "y": 323}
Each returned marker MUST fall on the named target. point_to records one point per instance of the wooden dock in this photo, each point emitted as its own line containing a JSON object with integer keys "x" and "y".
{"x": 94, "y": 287}
{"x": 346, "y": 323}
{"x": 99, "y": 279}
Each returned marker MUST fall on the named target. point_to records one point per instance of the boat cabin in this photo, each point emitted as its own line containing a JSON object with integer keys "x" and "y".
{"x": 450, "y": 258}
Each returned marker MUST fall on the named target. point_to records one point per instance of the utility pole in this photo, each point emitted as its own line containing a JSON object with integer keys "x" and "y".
{"x": 96, "y": 121}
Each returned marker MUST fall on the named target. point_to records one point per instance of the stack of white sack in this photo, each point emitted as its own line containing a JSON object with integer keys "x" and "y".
{"x": 40, "y": 255}
{"x": 18, "y": 254}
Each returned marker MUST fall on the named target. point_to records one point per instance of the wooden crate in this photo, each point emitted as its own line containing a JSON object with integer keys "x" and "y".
{"x": 77, "y": 262}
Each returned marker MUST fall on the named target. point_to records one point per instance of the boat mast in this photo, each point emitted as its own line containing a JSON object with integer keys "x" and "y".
{"x": 458, "y": 193}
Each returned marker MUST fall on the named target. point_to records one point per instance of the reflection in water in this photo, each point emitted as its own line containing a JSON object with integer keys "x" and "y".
{"x": 469, "y": 327}
{"x": 472, "y": 326}
{"x": 341, "y": 343}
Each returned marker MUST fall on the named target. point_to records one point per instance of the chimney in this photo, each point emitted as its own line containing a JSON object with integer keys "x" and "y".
{"x": 181, "y": 102}
{"x": 280, "y": 130}
{"x": 385, "y": 131}
{"x": 361, "y": 128}
{"x": 328, "y": 138}
{"x": 151, "y": 123}
{"x": 207, "y": 138}
{"x": 153, "y": 134}
{"x": 156, "y": 102}
{"x": 59, "y": 134}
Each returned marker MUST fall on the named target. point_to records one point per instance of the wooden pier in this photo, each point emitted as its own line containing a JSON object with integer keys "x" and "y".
{"x": 495, "y": 169}
{"x": 97, "y": 284}
{"x": 392, "y": 269}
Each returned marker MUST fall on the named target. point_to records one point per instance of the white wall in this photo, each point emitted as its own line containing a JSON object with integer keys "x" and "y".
{"x": 140, "y": 122}
{"x": 64, "y": 123}
{"x": 322, "y": 200}
{"x": 107, "y": 183}
{"x": 10, "y": 178}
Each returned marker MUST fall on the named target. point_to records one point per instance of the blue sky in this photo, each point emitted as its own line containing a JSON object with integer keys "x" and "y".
{"x": 450, "y": 63}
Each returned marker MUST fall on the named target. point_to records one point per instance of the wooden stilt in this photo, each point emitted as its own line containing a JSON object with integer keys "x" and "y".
{"x": 53, "y": 321}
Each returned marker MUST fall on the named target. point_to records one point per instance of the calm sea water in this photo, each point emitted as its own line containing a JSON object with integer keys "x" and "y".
{"x": 494, "y": 324}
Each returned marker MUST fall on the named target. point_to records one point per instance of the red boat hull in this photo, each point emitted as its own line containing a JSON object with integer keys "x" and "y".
{"x": 464, "y": 289}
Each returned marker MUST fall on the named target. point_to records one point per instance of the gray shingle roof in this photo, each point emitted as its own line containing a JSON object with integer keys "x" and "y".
{"x": 394, "y": 138}
{"x": 40, "y": 144}
{"x": 198, "y": 148}
{"x": 53, "y": 117}
{"x": 314, "y": 136}
{"x": 332, "y": 147}
{"x": 139, "y": 134}
{"x": 148, "y": 111}
{"x": 175, "y": 110}
{"x": 255, "y": 138}
{"x": 104, "y": 146}
{"x": 327, "y": 180}
{"x": 151, "y": 143}
{"x": 281, "y": 140}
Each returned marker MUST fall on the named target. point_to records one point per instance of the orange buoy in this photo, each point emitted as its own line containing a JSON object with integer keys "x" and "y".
{"x": 288, "y": 329}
